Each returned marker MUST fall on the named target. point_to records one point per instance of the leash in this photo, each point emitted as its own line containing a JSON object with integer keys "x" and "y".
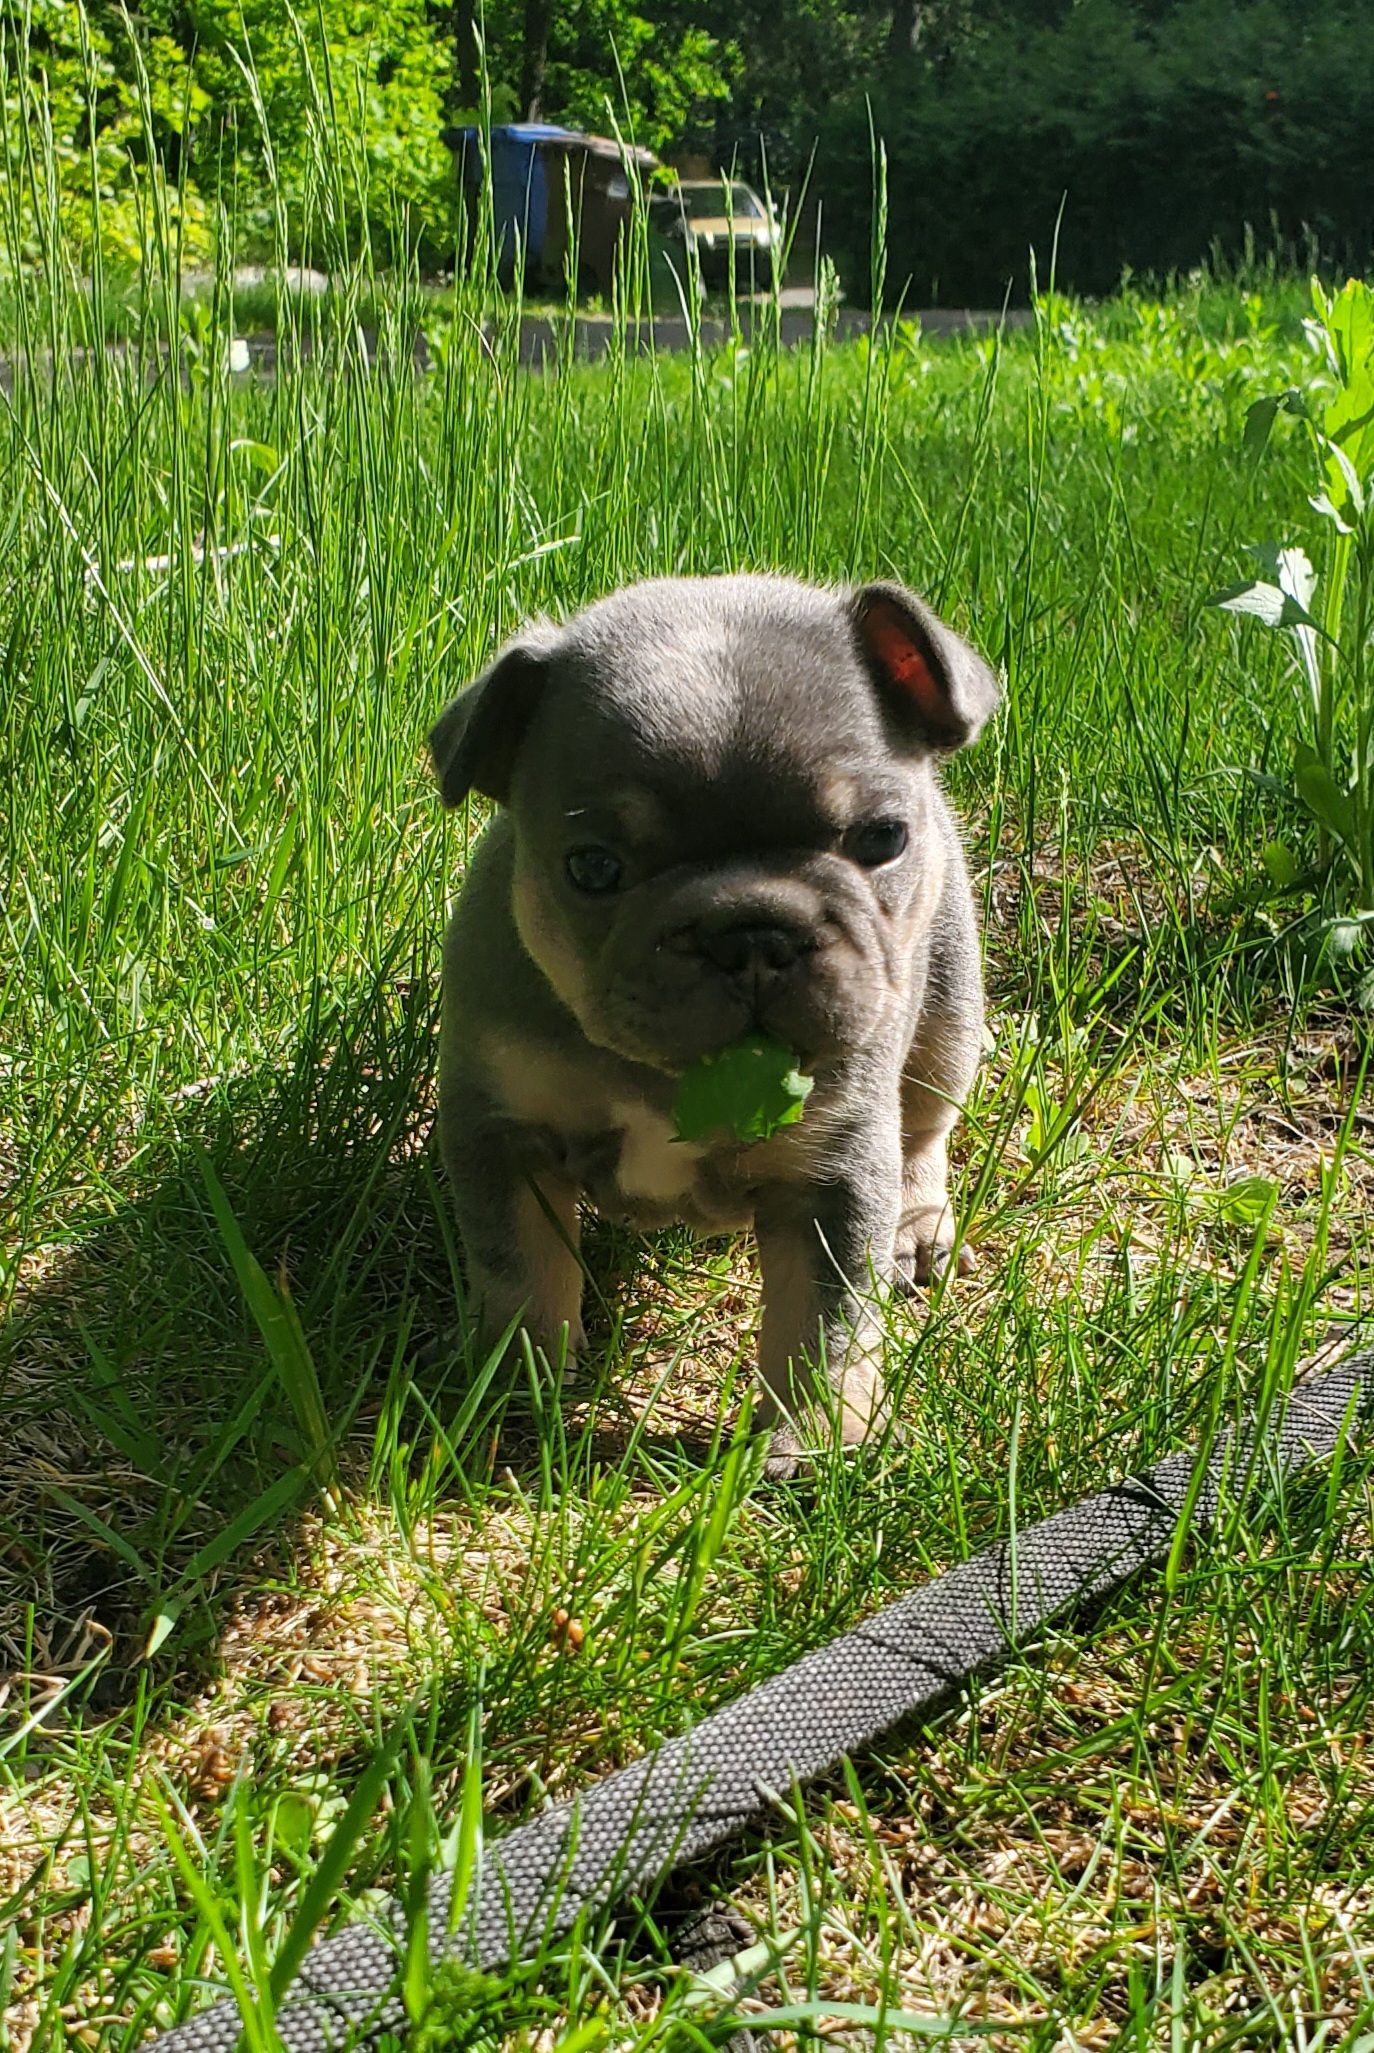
{"x": 692, "y": 1794}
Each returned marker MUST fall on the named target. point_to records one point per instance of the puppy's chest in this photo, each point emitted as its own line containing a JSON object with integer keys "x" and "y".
{"x": 638, "y": 1171}
{"x": 634, "y": 1169}
{"x": 620, "y": 1150}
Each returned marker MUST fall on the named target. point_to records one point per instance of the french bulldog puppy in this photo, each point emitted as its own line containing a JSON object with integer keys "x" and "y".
{"x": 720, "y": 812}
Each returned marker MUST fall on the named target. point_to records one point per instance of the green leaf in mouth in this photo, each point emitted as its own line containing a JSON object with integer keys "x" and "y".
{"x": 748, "y": 1089}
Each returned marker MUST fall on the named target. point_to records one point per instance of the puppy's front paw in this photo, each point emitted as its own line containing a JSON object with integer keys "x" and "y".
{"x": 923, "y": 1262}
{"x": 437, "y": 1352}
{"x": 475, "y": 1341}
{"x": 786, "y": 1457}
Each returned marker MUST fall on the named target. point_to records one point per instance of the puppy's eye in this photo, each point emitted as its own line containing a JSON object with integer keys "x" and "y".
{"x": 875, "y": 842}
{"x": 594, "y": 870}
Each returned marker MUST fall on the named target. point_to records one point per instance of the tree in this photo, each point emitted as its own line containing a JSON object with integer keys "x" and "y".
{"x": 535, "y": 57}
{"x": 904, "y": 30}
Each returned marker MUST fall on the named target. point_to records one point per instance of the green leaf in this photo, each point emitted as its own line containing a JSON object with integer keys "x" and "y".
{"x": 258, "y": 2032}
{"x": 1320, "y": 502}
{"x": 163, "y": 1624}
{"x": 293, "y": 1823}
{"x": 1350, "y": 324}
{"x": 911, "y": 2023}
{"x": 1345, "y": 492}
{"x": 1347, "y": 420}
{"x": 1321, "y": 794}
{"x": 1281, "y": 865}
{"x": 1265, "y": 602}
{"x": 1290, "y": 569}
{"x": 1248, "y": 1200}
{"x": 749, "y": 1090}
{"x": 335, "y": 1861}
{"x": 1259, "y": 425}
{"x": 1260, "y": 418}
{"x": 275, "y": 1499}
{"x": 259, "y": 455}
{"x": 123, "y": 1549}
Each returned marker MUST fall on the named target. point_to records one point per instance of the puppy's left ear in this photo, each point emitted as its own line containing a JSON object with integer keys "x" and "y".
{"x": 475, "y": 740}
{"x": 929, "y": 678}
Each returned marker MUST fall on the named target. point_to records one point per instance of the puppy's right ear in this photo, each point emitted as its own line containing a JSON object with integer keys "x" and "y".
{"x": 475, "y": 740}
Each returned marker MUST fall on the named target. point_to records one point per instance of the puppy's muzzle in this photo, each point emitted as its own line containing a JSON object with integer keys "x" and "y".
{"x": 753, "y": 958}
{"x": 753, "y": 950}
{"x": 749, "y": 951}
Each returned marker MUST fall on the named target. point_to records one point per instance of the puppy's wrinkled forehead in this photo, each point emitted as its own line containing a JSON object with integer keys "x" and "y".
{"x": 701, "y": 676}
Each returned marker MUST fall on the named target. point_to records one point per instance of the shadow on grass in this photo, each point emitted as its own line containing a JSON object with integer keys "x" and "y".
{"x": 151, "y": 1455}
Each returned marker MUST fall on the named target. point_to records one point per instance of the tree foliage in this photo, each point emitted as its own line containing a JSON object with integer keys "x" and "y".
{"x": 1166, "y": 130}
{"x": 1166, "y": 126}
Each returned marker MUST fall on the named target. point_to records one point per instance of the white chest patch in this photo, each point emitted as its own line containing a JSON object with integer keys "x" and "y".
{"x": 652, "y": 1164}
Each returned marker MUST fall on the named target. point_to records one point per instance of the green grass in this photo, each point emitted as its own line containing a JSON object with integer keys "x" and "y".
{"x": 250, "y": 1555}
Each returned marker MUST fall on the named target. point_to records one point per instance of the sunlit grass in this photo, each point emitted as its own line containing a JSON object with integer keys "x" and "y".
{"x": 250, "y": 1554}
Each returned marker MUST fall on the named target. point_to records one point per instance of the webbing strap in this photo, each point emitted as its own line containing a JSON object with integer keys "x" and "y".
{"x": 628, "y": 1831}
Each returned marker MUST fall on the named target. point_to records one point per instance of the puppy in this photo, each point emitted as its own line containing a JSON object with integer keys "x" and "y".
{"x": 719, "y": 812}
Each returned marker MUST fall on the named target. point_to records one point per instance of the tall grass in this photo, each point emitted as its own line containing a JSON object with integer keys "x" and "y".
{"x": 229, "y": 608}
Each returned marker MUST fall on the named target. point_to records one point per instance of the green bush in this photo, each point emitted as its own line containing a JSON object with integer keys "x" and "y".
{"x": 327, "y": 122}
{"x": 320, "y": 129}
{"x": 351, "y": 87}
{"x": 91, "y": 118}
{"x": 1169, "y": 132}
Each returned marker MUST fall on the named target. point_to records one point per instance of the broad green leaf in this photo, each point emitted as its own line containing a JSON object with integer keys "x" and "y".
{"x": 1259, "y": 425}
{"x": 293, "y": 1822}
{"x": 1260, "y": 418}
{"x": 1320, "y": 502}
{"x": 1248, "y": 1200}
{"x": 1290, "y": 569}
{"x": 1354, "y": 497}
{"x": 1322, "y": 795}
{"x": 260, "y": 455}
{"x": 339, "y": 1853}
{"x": 1347, "y": 421}
{"x": 1350, "y": 324}
{"x": 1265, "y": 602}
{"x": 1282, "y": 866}
{"x": 749, "y": 1090}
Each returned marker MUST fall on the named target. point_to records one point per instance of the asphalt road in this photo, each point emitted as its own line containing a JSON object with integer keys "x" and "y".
{"x": 543, "y": 337}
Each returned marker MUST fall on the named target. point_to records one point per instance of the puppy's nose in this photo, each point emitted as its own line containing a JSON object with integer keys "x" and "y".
{"x": 751, "y": 947}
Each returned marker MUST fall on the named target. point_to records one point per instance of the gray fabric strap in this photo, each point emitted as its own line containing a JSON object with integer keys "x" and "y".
{"x": 693, "y": 1793}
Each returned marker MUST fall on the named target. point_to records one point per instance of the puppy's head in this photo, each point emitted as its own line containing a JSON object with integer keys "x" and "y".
{"x": 724, "y": 805}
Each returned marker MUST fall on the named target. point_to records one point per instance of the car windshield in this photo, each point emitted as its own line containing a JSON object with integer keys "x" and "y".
{"x": 710, "y": 202}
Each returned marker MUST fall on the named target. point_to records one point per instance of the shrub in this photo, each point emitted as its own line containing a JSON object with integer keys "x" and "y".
{"x": 90, "y": 120}
{"x": 1168, "y": 134}
{"x": 112, "y": 128}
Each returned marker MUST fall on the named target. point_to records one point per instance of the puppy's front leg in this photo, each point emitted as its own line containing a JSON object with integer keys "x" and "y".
{"x": 823, "y": 1247}
{"x": 519, "y": 1229}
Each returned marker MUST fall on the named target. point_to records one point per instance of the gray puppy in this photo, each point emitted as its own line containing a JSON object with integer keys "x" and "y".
{"x": 720, "y": 813}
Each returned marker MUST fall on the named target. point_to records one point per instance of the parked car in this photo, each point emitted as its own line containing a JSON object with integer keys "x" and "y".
{"x": 727, "y": 223}
{"x": 535, "y": 168}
